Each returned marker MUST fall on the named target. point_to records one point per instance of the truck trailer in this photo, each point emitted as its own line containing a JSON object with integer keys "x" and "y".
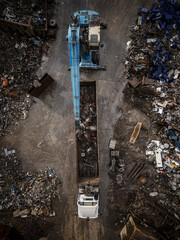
{"x": 87, "y": 154}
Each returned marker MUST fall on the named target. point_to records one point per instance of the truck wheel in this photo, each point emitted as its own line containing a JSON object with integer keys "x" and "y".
{"x": 103, "y": 25}
{"x": 99, "y": 214}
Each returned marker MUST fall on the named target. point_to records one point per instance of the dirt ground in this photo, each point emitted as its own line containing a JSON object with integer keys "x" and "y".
{"x": 51, "y": 120}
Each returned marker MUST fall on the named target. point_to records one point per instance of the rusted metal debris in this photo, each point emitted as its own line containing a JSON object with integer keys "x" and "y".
{"x": 135, "y": 133}
{"x": 143, "y": 180}
{"x": 134, "y": 82}
{"x": 153, "y": 230}
{"x": 136, "y": 171}
{"x": 161, "y": 210}
{"x": 87, "y": 133}
{"x": 42, "y": 85}
{"x": 148, "y": 81}
{"x": 26, "y": 16}
{"x": 132, "y": 230}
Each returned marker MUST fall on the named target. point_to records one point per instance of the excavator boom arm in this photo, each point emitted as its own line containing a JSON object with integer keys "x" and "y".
{"x": 73, "y": 40}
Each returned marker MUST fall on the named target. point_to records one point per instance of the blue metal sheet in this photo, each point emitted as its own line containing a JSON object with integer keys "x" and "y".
{"x": 176, "y": 141}
{"x": 168, "y": 37}
{"x": 167, "y": 15}
{"x": 144, "y": 10}
{"x": 167, "y": 54}
{"x": 177, "y": 41}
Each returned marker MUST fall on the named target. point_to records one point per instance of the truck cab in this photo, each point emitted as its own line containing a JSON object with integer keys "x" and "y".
{"x": 88, "y": 202}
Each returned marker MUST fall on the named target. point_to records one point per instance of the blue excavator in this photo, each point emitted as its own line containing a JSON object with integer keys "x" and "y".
{"x": 84, "y": 42}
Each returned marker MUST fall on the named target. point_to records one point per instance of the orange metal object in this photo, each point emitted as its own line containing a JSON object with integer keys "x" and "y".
{"x": 5, "y": 82}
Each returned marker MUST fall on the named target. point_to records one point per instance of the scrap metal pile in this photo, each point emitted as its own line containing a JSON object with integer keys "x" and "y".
{"x": 87, "y": 134}
{"x": 21, "y": 11}
{"x": 156, "y": 218}
{"x": 153, "y": 72}
{"x": 154, "y": 47}
{"x": 20, "y": 58}
{"x": 26, "y": 193}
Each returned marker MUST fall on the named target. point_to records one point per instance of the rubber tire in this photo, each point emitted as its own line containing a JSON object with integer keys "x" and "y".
{"x": 52, "y": 23}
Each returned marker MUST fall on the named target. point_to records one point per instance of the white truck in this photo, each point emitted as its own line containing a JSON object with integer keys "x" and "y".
{"x": 88, "y": 201}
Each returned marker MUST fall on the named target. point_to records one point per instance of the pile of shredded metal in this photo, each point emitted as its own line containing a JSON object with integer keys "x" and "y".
{"x": 28, "y": 193}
